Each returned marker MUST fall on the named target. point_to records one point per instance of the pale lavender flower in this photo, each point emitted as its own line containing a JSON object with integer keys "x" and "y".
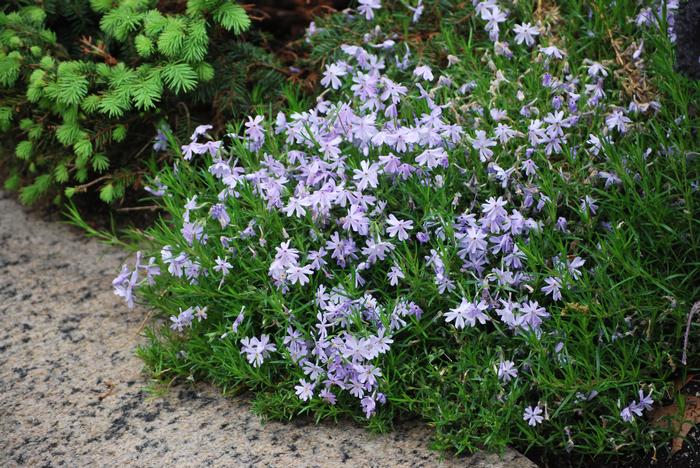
{"x": 473, "y": 242}
{"x": 182, "y": 320}
{"x": 218, "y": 212}
{"x": 531, "y": 315}
{"x": 222, "y": 266}
{"x": 328, "y": 396}
{"x": 395, "y": 273}
{"x": 588, "y": 203}
{"x": 493, "y": 17}
{"x": 525, "y": 33}
{"x": 256, "y": 350}
{"x": 124, "y": 285}
{"x": 424, "y": 72}
{"x": 597, "y": 69}
{"x": 332, "y": 74}
{"x": 296, "y": 274}
{"x": 529, "y": 167}
{"x": 305, "y": 390}
{"x": 367, "y": 8}
{"x": 200, "y": 313}
{"x": 239, "y": 319}
{"x": 398, "y": 228}
{"x": 617, "y": 120}
{"x": 562, "y": 224}
{"x": 159, "y": 190}
{"x": 553, "y": 288}
{"x": 610, "y": 178}
{"x": 483, "y": 144}
{"x": 417, "y": 11}
{"x": 366, "y": 176}
{"x": 467, "y": 313}
{"x": 255, "y": 132}
{"x": 552, "y": 51}
{"x": 368, "y": 405}
{"x": 574, "y": 267}
{"x": 192, "y": 231}
{"x": 356, "y": 220}
{"x": 626, "y": 413}
{"x": 533, "y": 416}
{"x": 507, "y": 371}
{"x": 160, "y": 142}
{"x": 200, "y": 130}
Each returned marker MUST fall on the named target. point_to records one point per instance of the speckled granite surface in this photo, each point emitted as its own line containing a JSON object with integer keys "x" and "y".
{"x": 71, "y": 390}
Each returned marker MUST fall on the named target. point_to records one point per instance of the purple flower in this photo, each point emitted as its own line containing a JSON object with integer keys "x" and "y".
{"x": 636, "y": 409}
{"x": 305, "y": 390}
{"x": 367, "y": 8}
{"x": 507, "y": 371}
{"x": 626, "y": 413}
{"x": 159, "y": 190}
{"x": 574, "y": 267}
{"x": 356, "y": 220}
{"x": 332, "y": 74}
{"x": 531, "y": 315}
{"x": 562, "y": 224}
{"x": 553, "y": 288}
{"x": 525, "y": 33}
{"x": 286, "y": 255}
{"x": 222, "y": 266}
{"x": 368, "y": 374}
{"x": 125, "y": 283}
{"x": 424, "y": 72}
{"x": 423, "y": 237}
{"x": 328, "y": 396}
{"x": 192, "y": 231}
{"x": 218, "y": 212}
{"x": 395, "y": 273}
{"x": 398, "y": 228}
{"x": 255, "y": 132}
{"x": 239, "y": 319}
{"x": 589, "y": 203}
{"x": 645, "y": 402}
{"x": 256, "y": 350}
{"x": 368, "y": 405}
{"x": 417, "y": 11}
{"x": 200, "y": 313}
{"x": 432, "y": 158}
{"x": 467, "y": 313}
{"x": 160, "y": 142}
{"x": 472, "y": 242}
{"x": 482, "y": 145}
{"x": 533, "y": 415}
{"x": 296, "y": 274}
{"x": 617, "y": 120}
{"x": 610, "y": 178}
{"x": 182, "y": 320}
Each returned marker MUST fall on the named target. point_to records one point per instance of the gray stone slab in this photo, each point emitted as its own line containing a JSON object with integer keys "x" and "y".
{"x": 72, "y": 391}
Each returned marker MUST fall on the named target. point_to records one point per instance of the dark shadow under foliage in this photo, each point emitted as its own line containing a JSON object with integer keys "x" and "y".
{"x": 688, "y": 38}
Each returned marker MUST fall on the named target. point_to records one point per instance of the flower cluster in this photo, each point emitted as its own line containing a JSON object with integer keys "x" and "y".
{"x": 397, "y": 185}
{"x": 636, "y": 409}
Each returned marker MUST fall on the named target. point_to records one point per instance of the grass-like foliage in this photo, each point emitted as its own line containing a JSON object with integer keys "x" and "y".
{"x": 489, "y": 220}
{"x": 78, "y": 109}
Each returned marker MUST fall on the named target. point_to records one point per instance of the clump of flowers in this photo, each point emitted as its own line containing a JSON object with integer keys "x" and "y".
{"x": 411, "y": 241}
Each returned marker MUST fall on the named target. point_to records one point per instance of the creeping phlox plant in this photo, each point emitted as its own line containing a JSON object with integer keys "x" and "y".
{"x": 426, "y": 240}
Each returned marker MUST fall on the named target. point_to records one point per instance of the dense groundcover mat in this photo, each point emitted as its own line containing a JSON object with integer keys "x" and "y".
{"x": 487, "y": 220}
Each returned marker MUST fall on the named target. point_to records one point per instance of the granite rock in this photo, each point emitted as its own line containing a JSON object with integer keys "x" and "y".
{"x": 72, "y": 391}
